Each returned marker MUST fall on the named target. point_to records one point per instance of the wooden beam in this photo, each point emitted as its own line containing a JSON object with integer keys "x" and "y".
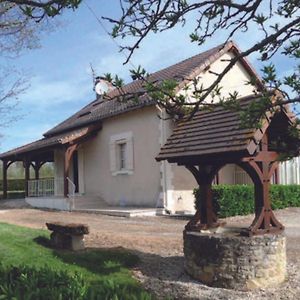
{"x": 263, "y": 156}
{"x": 205, "y": 216}
{"x": 27, "y": 175}
{"x": 37, "y": 166}
{"x": 67, "y": 162}
{"x": 4, "y": 170}
{"x": 263, "y": 170}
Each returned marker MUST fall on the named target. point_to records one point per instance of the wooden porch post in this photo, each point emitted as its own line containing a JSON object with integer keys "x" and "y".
{"x": 66, "y": 175}
{"x": 67, "y": 162}
{"x": 37, "y": 172}
{"x": 27, "y": 175}
{"x": 276, "y": 176}
{"x": 36, "y": 166}
{"x": 4, "y": 170}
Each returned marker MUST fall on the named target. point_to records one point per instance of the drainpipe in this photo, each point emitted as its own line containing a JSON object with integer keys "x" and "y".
{"x": 163, "y": 163}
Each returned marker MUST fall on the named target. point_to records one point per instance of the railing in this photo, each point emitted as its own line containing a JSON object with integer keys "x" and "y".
{"x": 45, "y": 187}
{"x": 71, "y": 195}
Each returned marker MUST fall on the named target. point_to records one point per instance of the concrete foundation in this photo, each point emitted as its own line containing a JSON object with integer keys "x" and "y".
{"x": 226, "y": 259}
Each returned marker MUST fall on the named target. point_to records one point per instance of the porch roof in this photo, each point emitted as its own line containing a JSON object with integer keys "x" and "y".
{"x": 49, "y": 143}
{"x": 218, "y": 134}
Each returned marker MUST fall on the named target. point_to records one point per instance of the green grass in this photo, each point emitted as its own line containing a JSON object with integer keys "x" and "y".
{"x": 105, "y": 272}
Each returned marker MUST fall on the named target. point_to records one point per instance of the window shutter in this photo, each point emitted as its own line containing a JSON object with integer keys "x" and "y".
{"x": 112, "y": 152}
{"x": 130, "y": 155}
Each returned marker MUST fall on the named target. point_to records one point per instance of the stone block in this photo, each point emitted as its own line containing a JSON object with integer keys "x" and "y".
{"x": 68, "y": 236}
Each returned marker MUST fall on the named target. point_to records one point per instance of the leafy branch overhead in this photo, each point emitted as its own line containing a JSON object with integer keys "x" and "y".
{"x": 277, "y": 22}
{"x": 40, "y": 9}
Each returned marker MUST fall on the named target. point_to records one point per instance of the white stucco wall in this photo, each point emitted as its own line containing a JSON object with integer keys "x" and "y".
{"x": 151, "y": 183}
{"x": 289, "y": 171}
{"x": 142, "y": 187}
{"x": 226, "y": 174}
{"x": 234, "y": 81}
{"x": 81, "y": 158}
{"x": 180, "y": 196}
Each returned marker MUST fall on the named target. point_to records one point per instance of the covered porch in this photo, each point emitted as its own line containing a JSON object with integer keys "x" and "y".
{"x": 59, "y": 191}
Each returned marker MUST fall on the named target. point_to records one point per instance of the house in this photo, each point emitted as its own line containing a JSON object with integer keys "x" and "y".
{"x": 105, "y": 153}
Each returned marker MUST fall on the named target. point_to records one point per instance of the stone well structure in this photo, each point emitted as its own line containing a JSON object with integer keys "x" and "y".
{"x": 204, "y": 143}
{"x": 229, "y": 260}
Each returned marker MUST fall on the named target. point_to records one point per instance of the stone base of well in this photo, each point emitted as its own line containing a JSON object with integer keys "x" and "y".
{"x": 226, "y": 259}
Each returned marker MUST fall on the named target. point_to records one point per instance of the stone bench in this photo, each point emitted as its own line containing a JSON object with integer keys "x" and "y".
{"x": 68, "y": 235}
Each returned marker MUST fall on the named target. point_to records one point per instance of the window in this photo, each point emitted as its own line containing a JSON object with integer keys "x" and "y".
{"x": 121, "y": 154}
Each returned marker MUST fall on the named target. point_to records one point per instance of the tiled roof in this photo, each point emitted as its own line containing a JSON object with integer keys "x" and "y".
{"x": 44, "y": 143}
{"x": 99, "y": 109}
{"x": 209, "y": 133}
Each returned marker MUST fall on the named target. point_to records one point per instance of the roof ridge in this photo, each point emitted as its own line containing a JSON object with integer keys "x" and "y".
{"x": 178, "y": 71}
{"x": 222, "y": 45}
{"x": 191, "y": 57}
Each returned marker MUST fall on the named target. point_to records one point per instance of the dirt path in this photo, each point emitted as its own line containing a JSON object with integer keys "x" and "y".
{"x": 158, "y": 241}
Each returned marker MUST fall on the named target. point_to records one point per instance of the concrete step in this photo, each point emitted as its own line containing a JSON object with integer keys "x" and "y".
{"x": 122, "y": 212}
{"x": 88, "y": 202}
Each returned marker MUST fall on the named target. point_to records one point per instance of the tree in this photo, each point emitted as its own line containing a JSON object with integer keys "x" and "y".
{"x": 20, "y": 24}
{"x": 38, "y": 9}
{"x": 278, "y": 21}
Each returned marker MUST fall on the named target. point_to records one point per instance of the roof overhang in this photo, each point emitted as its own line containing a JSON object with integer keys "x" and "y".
{"x": 43, "y": 148}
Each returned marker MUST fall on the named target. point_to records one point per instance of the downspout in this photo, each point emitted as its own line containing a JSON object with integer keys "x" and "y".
{"x": 163, "y": 163}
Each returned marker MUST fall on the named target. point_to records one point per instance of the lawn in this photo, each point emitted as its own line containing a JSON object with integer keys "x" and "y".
{"x": 31, "y": 269}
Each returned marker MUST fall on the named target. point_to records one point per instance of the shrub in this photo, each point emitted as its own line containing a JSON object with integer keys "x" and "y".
{"x": 14, "y": 184}
{"x": 30, "y": 283}
{"x": 14, "y": 195}
{"x": 232, "y": 200}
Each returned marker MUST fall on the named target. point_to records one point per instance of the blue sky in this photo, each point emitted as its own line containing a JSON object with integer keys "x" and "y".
{"x": 59, "y": 71}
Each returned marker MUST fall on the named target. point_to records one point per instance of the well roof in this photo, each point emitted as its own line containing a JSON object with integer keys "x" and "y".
{"x": 215, "y": 134}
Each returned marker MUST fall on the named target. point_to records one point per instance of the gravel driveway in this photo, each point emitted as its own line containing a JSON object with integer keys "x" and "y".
{"x": 158, "y": 242}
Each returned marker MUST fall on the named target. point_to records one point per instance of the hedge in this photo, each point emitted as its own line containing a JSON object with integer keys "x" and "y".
{"x": 14, "y": 184}
{"x": 233, "y": 200}
{"x": 14, "y": 195}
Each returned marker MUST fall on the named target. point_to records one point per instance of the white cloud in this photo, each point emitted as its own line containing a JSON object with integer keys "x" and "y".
{"x": 14, "y": 137}
{"x": 43, "y": 93}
